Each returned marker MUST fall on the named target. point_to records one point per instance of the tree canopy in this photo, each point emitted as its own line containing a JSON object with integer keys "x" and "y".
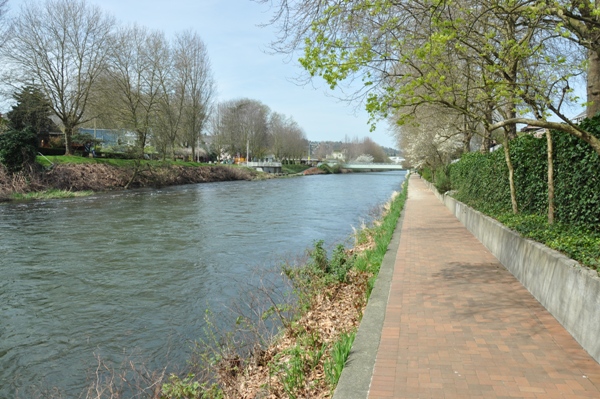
{"x": 32, "y": 110}
{"x": 497, "y": 62}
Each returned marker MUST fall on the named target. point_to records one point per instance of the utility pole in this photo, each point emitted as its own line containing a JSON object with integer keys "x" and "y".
{"x": 247, "y": 150}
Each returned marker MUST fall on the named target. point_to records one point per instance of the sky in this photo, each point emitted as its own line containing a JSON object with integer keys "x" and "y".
{"x": 243, "y": 66}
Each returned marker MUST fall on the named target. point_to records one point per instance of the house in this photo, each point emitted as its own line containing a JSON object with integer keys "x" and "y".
{"x": 539, "y": 132}
{"x": 111, "y": 137}
{"x": 580, "y": 117}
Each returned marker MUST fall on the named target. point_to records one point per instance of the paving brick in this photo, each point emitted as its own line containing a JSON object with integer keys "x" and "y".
{"x": 459, "y": 325}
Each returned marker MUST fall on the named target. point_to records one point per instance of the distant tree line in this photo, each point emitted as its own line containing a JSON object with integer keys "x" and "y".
{"x": 352, "y": 149}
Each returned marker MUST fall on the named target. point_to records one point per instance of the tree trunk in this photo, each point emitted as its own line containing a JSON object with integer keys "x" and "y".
{"x": 593, "y": 83}
{"x": 68, "y": 140}
{"x": 486, "y": 145}
{"x": 550, "y": 177}
{"x": 511, "y": 172}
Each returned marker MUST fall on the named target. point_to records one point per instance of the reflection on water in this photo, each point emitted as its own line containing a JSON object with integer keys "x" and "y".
{"x": 135, "y": 271}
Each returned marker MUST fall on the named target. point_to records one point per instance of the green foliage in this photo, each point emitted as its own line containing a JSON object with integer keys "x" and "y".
{"x": 339, "y": 354}
{"x": 293, "y": 365}
{"x": 427, "y": 174}
{"x": 293, "y": 168}
{"x": 577, "y": 242}
{"x": 319, "y": 257}
{"x": 32, "y": 111}
{"x": 320, "y": 270}
{"x": 17, "y": 149}
{"x": 189, "y": 388}
{"x": 439, "y": 177}
{"x": 126, "y": 163}
{"x": 340, "y": 264}
{"x": 442, "y": 180}
{"x": 181, "y": 388}
{"x": 330, "y": 169}
{"x": 577, "y": 184}
{"x": 482, "y": 179}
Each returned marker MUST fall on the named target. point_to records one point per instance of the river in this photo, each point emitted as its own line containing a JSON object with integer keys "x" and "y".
{"x": 131, "y": 273}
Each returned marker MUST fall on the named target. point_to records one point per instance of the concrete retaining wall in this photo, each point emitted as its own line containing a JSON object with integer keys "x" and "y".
{"x": 571, "y": 293}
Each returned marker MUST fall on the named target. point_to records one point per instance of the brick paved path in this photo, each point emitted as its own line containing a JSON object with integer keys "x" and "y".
{"x": 459, "y": 325}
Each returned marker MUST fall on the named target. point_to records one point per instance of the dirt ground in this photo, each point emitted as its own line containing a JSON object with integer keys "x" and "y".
{"x": 99, "y": 177}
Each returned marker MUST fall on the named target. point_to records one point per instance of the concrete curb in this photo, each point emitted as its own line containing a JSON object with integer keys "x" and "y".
{"x": 570, "y": 292}
{"x": 355, "y": 380}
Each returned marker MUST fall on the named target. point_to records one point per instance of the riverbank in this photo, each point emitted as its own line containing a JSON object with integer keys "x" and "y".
{"x": 97, "y": 177}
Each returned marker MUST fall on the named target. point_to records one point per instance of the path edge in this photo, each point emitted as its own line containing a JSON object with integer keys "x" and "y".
{"x": 355, "y": 380}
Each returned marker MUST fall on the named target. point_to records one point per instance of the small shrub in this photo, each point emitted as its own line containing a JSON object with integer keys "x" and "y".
{"x": 17, "y": 149}
{"x": 442, "y": 180}
{"x": 319, "y": 257}
{"x": 181, "y": 388}
{"x": 340, "y": 264}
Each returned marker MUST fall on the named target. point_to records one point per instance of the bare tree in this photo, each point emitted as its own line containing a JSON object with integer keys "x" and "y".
{"x": 62, "y": 45}
{"x": 4, "y": 25}
{"x": 243, "y": 126}
{"x": 288, "y": 140}
{"x": 130, "y": 89}
{"x": 199, "y": 91}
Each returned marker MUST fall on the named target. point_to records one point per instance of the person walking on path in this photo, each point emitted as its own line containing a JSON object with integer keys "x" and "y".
{"x": 459, "y": 325}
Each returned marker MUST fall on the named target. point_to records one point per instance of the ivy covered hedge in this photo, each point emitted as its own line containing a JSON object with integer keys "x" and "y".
{"x": 481, "y": 180}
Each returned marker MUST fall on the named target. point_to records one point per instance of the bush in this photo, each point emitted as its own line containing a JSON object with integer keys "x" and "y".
{"x": 481, "y": 180}
{"x": 330, "y": 169}
{"x": 17, "y": 149}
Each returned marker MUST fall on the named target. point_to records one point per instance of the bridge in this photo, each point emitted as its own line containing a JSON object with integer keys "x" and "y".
{"x": 372, "y": 166}
{"x": 269, "y": 167}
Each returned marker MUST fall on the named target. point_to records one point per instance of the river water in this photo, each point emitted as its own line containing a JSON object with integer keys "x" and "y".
{"x": 119, "y": 274}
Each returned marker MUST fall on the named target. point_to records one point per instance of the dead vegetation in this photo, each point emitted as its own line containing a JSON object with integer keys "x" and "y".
{"x": 102, "y": 177}
{"x": 333, "y": 311}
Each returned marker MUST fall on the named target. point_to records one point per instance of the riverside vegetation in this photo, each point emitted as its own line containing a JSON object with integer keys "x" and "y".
{"x": 481, "y": 181}
{"x": 70, "y": 176}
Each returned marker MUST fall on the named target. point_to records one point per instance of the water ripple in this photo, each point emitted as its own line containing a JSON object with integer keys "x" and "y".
{"x": 120, "y": 273}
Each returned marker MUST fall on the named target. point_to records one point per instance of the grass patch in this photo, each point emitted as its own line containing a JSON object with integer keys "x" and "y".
{"x": 339, "y": 354}
{"x": 50, "y": 194}
{"x": 48, "y": 160}
{"x": 292, "y": 169}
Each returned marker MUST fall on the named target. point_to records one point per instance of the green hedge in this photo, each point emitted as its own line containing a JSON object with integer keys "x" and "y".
{"x": 481, "y": 180}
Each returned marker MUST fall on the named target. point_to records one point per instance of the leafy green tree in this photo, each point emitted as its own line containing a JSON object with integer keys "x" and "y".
{"x": 32, "y": 110}
{"x": 412, "y": 53}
